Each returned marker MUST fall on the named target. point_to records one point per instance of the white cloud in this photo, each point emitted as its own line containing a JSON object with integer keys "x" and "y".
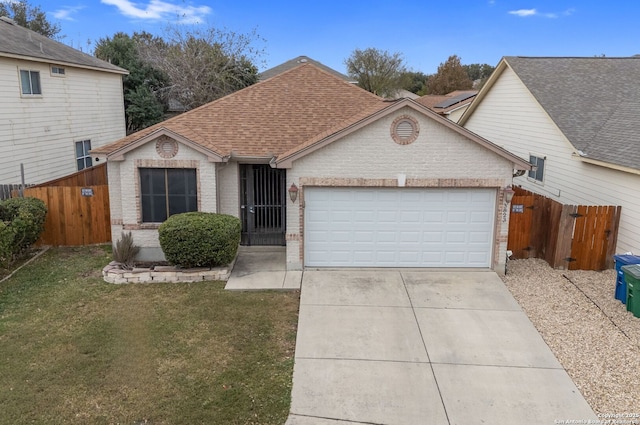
{"x": 159, "y": 10}
{"x": 534, "y": 12}
{"x": 523, "y": 12}
{"x": 66, "y": 12}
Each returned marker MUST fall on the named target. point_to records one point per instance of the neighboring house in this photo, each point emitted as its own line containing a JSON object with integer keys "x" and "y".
{"x": 292, "y": 63}
{"x": 57, "y": 104}
{"x": 401, "y": 93}
{"x": 335, "y": 173}
{"x": 577, "y": 120}
{"x": 451, "y": 105}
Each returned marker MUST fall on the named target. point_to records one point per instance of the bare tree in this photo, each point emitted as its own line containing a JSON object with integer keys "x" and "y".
{"x": 377, "y": 71}
{"x": 202, "y": 64}
{"x": 451, "y": 76}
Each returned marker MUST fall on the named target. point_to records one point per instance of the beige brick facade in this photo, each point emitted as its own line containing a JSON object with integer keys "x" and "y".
{"x": 124, "y": 192}
{"x": 369, "y": 157}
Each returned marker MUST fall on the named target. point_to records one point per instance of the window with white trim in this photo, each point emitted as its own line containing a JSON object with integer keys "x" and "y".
{"x": 167, "y": 191}
{"x": 83, "y": 159}
{"x": 57, "y": 71}
{"x": 538, "y": 162}
{"x": 30, "y": 82}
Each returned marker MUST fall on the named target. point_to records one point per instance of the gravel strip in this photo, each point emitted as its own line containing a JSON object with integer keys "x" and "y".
{"x": 591, "y": 333}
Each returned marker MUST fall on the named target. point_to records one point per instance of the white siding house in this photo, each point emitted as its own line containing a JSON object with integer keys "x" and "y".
{"x": 578, "y": 117}
{"x": 57, "y": 103}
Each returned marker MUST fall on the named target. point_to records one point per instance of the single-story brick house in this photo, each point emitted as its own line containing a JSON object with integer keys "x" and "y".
{"x": 340, "y": 176}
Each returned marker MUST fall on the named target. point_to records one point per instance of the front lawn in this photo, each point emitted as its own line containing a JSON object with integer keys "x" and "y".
{"x": 77, "y": 350}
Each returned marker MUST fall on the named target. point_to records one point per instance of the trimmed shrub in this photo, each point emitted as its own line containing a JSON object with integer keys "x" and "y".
{"x": 6, "y": 244}
{"x": 200, "y": 239}
{"x": 25, "y": 216}
{"x": 125, "y": 251}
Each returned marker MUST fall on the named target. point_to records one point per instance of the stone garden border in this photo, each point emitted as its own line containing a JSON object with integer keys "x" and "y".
{"x": 113, "y": 273}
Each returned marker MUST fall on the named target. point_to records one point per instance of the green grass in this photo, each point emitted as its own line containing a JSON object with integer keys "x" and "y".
{"x": 77, "y": 350}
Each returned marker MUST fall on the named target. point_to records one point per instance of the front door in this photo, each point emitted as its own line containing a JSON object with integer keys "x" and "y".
{"x": 263, "y": 202}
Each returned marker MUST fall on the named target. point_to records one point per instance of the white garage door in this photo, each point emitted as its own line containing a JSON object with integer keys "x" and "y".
{"x": 398, "y": 227}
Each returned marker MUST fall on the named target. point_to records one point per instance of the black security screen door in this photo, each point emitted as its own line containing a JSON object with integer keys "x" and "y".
{"x": 262, "y": 191}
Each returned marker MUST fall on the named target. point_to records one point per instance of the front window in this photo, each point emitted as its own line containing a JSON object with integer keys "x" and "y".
{"x": 538, "y": 173}
{"x": 167, "y": 191}
{"x": 30, "y": 81}
{"x": 83, "y": 159}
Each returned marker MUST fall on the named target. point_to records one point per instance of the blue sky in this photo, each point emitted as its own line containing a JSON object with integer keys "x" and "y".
{"x": 425, "y": 32}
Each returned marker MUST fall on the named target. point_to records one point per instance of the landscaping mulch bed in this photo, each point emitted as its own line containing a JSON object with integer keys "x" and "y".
{"x": 591, "y": 333}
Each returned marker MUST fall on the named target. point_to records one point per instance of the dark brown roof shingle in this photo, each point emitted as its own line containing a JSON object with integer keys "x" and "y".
{"x": 267, "y": 118}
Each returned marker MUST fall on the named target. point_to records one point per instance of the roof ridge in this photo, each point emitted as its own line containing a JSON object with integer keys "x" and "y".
{"x": 24, "y": 43}
{"x": 573, "y": 57}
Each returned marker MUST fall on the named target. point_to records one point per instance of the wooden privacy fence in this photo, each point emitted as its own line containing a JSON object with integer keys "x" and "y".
{"x": 78, "y": 214}
{"x": 574, "y": 237}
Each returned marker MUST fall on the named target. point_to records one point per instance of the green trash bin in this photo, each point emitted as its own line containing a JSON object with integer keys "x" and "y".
{"x": 632, "y": 276}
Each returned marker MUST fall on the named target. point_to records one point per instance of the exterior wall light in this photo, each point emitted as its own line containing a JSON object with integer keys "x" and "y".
{"x": 508, "y": 194}
{"x": 293, "y": 192}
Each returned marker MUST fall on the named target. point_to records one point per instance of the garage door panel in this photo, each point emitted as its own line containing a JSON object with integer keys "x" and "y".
{"x": 478, "y": 258}
{"x": 457, "y": 217}
{"x": 433, "y": 217}
{"x": 398, "y": 227}
{"x": 432, "y": 258}
{"x": 432, "y": 237}
{"x": 479, "y": 237}
{"x": 456, "y": 237}
{"x": 410, "y": 217}
{"x": 389, "y": 216}
{"x": 481, "y": 217}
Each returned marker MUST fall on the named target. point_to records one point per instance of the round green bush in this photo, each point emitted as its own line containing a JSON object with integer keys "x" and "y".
{"x": 25, "y": 217}
{"x": 200, "y": 239}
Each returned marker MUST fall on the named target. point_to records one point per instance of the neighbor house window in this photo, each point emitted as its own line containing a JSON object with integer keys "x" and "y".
{"x": 538, "y": 162}
{"x": 83, "y": 159}
{"x": 57, "y": 71}
{"x": 30, "y": 81}
{"x": 167, "y": 191}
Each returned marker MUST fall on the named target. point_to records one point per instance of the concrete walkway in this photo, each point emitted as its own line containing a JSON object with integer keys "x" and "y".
{"x": 260, "y": 268}
{"x": 423, "y": 347}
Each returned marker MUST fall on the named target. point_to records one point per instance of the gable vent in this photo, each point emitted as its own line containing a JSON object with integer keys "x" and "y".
{"x": 166, "y": 147}
{"x": 404, "y": 130}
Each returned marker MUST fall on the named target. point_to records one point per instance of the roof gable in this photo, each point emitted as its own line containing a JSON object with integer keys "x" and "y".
{"x": 292, "y": 63}
{"x": 118, "y": 154}
{"x": 20, "y": 42}
{"x": 591, "y": 101}
{"x": 389, "y": 107}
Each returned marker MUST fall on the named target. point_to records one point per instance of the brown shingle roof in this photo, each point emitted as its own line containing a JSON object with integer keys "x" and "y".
{"x": 432, "y": 100}
{"x": 268, "y": 118}
{"x": 292, "y": 63}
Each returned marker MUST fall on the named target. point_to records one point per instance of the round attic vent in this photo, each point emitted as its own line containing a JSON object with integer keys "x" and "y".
{"x": 405, "y": 130}
{"x": 166, "y": 147}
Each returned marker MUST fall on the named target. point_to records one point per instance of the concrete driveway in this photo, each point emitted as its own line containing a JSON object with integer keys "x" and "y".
{"x": 423, "y": 347}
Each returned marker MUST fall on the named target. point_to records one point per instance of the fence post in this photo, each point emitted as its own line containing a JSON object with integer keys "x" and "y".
{"x": 612, "y": 236}
{"x": 564, "y": 237}
{"x": 21, "y": 191}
